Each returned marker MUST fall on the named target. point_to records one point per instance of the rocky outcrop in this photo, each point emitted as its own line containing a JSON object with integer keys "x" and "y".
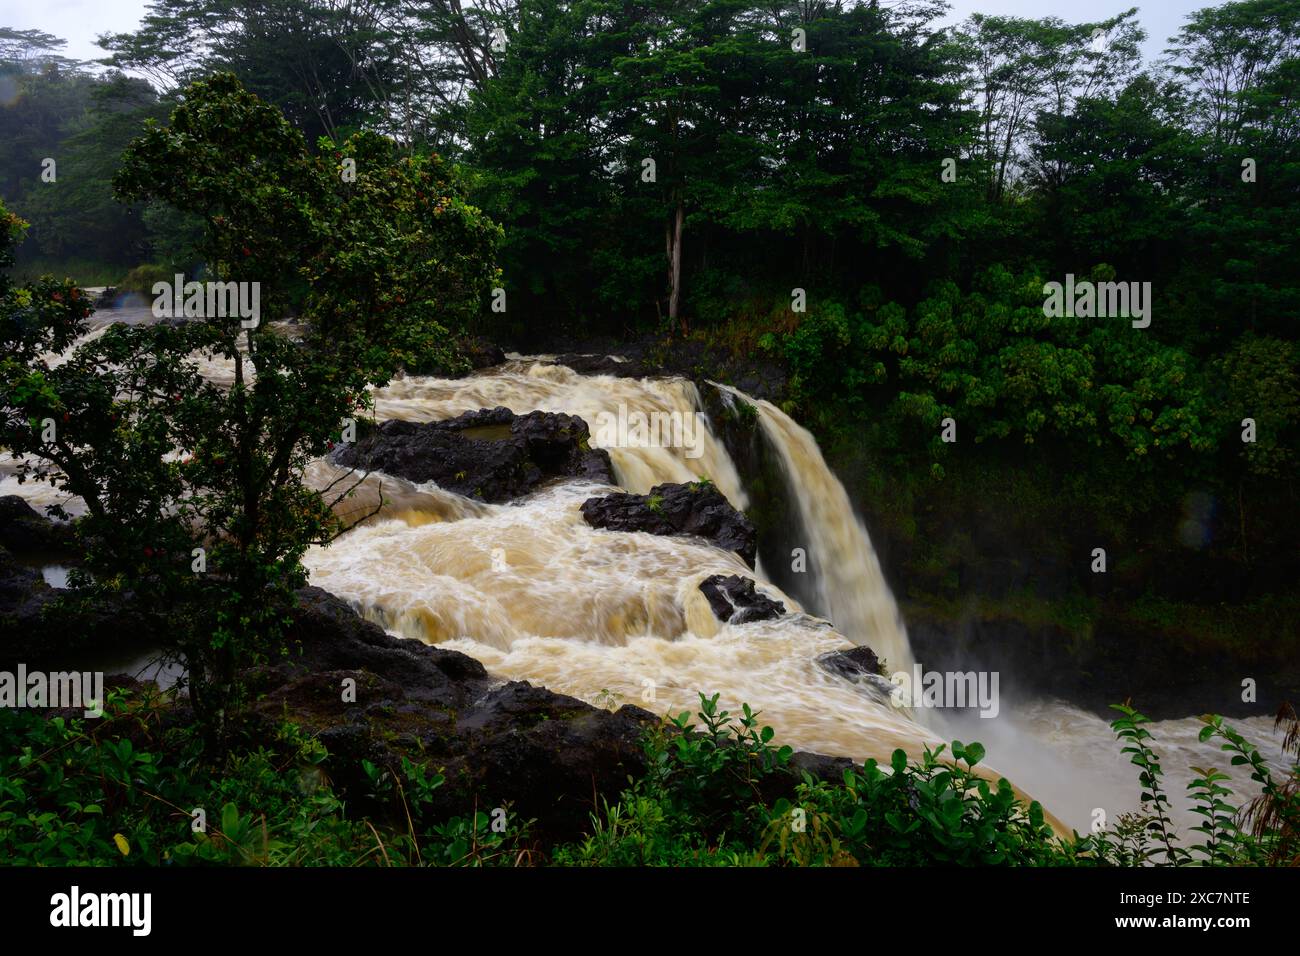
{"x": 52, "y": 629}
{"x": 617, "y": 366}
{"x": 549, "y": 757}
{"x": 24, "y": 595}
{"x": 860, "y": 667}
{"x": 26, "y": 631}
{"x": 545, "y": 755}
{"x": 696, "y": 509}
{"x": 24, "y": 530}
{"x": 490, "y": 455}
{"x": 480, "y": 352}
{"x": 49, "y": 628}
{"x": 735, "y": 600}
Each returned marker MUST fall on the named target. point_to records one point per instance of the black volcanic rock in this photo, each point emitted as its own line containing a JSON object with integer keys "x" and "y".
{"x": 735, "y": 600}
{"x": 697, "y": 508}
{"x": 545, "y": 754}
{"x": 853, "y": 663}
{"x": 620, "y": 367}
{"x": 491, "y": 455}
{"x": 24, "y": 530}
{"x": 551, "y": 757}
{"x": 40, "y": 630}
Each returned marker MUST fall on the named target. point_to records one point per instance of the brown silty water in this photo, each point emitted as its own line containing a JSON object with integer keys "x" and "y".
{"x": 533, "y": 592}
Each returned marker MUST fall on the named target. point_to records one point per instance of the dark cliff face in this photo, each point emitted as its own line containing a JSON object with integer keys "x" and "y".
{"x": 1001, "y": 578}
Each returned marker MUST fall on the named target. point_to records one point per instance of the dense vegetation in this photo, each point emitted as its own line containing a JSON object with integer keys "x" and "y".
{"x": 78, "y": 793}
{"x": 844, "y": 190}
{"x": 194, "y": 491}
{"x": 681, "y": 167}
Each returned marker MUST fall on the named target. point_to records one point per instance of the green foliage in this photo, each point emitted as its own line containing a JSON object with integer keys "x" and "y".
{"x": 1226, "y": 839}
{"x": 1260, "y": 378}
{"x": 704, "y": 802}
{"x": 701, "y": 801}
{"x": 168, "y": 462}
{"x": 56, "y": 109}
{"x": 122, "y": 790}
{"x": 142, "y": 278}
{"x": 993, "y": 362}
{"x": 759, "y": 167}
{"x": 927, "y": 812}
{"x": 1129, "y": 729}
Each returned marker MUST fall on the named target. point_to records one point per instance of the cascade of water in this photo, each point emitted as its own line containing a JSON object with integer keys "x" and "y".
{"x": 586, "y": 611}
{"x": 849, "y": 581}
{"x": 536, "y": 594}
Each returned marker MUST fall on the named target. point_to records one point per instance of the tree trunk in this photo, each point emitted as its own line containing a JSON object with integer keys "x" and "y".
{"x": 675, "y": 265}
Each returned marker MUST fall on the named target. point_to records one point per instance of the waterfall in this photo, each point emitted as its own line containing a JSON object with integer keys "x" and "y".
{"x": 536, "y": 594}
{"x": 849, "y": 579}
{"x": 612, "y": 616}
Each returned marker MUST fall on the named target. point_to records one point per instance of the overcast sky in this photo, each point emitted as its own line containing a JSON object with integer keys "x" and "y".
{"x": 80, "y": 21}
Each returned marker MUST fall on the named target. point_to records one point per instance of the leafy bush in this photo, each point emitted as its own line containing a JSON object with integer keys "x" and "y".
{"x": 141, "y": 279}
{"x": 1263, "y": 833}
{"x": 122, "y": 791}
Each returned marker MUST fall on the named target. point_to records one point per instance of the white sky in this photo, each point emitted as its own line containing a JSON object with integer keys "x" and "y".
{"x": 80, "y": 21}
{"x": 77, "y": 21}
{"x": 1160, "y": 18}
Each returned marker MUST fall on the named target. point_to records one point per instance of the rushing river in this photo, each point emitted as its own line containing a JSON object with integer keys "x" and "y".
{"x": 533, "y": 592}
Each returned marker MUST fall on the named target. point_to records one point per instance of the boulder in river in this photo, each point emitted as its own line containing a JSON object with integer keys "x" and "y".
{"x": 854, "y": 663}
{"x": 735, "y": 600}
{"x": 490, "y": 455}
{"x": 697, "y": 508}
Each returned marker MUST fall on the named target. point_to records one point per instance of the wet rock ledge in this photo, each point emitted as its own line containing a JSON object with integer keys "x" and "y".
{"x": 696, "y": 508}
{"x": 490, "y": 455}
{"x": 498, "y": 742}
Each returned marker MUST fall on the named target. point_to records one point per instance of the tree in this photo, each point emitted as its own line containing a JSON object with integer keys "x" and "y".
{"x": 1020, "y": 67}
{"x": 194, "y": 490}
{"x": 330, "y": 67}
{"x": 1224, "y": 52}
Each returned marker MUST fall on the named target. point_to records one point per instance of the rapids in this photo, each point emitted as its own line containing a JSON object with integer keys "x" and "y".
{"x": 533, "y": 592}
